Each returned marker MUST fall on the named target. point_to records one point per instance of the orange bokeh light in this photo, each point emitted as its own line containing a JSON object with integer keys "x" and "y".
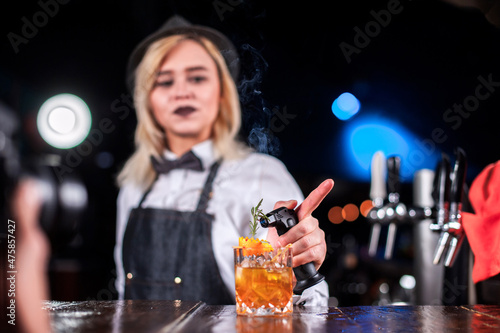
{"x": 365, "y": 207}
{"x": 335, "y": 215}
{"x": 350, "y": 212}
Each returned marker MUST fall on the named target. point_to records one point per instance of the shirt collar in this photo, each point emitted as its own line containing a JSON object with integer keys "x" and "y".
{"x": 203, "y": 150}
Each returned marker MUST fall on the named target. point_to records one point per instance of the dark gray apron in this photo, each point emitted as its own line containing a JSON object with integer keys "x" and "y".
{"x": 167, "y": 254}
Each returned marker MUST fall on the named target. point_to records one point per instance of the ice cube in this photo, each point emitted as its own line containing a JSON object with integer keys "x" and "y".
{"x": 260, "y": 261}
{"x": 246, "y": 263}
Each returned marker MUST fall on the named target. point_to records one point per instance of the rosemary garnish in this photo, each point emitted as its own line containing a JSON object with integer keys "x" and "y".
{"x": 257, "y": 215}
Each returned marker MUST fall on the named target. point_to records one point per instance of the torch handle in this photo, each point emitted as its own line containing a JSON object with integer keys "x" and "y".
{"x": 283, "y": 219}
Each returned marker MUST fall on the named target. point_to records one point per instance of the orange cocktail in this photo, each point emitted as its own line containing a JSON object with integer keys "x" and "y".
{"x": 263, "y": 281}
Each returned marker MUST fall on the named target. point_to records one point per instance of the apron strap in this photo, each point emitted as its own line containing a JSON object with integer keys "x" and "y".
{"x": 206, "y": 194}
{"x": 147, "y": 191}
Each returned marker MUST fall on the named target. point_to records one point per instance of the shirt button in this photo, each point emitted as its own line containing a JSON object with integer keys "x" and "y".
{"x": 129, "y": 276}
{"x": 177, "y": 280}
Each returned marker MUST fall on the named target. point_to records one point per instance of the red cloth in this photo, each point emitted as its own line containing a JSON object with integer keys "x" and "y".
{"x": 483, "y": 227}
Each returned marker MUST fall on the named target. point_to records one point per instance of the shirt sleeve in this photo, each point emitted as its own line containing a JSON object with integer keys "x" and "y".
{"x": 314, "y": 296}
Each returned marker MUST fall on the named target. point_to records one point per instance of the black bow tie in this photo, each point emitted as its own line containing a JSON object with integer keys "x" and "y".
{"x": 186, "y": 161}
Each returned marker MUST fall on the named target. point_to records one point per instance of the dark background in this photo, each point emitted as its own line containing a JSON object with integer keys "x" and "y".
{"x": 428, "y": 57}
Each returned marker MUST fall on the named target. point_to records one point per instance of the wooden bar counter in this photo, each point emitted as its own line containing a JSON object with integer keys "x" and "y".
{"x": 192, "y": 317}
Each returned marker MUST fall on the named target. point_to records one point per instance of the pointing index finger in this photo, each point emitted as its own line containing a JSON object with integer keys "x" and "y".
{"x": 314, "y": 199}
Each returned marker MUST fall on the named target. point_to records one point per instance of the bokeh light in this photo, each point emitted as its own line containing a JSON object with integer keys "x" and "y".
{"x": 64, "y": 121}
{"x": 407, "y": 282}
{"x": 365, "y": 207}
{"x": 364, "y": 136}
{"x": 104, "y": 160}
{"x": 350, "y": 212}
{"x": 335, "y": 215}
{"x": 345, "y": 106}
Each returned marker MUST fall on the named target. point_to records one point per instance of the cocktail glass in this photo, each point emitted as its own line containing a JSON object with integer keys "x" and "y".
{"x": 263, "y": 281}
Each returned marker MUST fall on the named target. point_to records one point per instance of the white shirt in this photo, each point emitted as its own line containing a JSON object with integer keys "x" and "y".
{"x": 238, "y": 186}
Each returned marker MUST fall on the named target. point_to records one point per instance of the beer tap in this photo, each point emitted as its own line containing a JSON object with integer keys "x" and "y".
{"x": 436, "y": 217}
{"x": 452, "y": 232}
{"x": 393, "y": 211}
{"x": 378, "y": 194}
{"x": 441, "y": 193}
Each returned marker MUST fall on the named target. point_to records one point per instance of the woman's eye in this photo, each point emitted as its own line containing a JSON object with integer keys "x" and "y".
{"x": 168, "y": 83}
{"x": 197, "y": 79}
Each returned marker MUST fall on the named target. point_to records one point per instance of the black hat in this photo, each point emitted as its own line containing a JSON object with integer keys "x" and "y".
{"x": 178, "y": 25}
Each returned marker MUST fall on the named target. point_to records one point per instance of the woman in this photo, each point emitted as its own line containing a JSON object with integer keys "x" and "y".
{"x": 176, "y": 225}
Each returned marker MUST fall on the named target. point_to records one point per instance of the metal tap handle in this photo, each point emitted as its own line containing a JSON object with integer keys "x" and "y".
{"x": 459, "y": 172}
{"x": 283, "y": 219}
{"x": 378, "y": 194}
{"x": 442, "y": 245}
{"x": 453, "y": 249}
{"x": 393, "y": 184}
{"x": 378, "y": 191}
{"x": 441, "y": 191}
{"x": 452, "y": 233}
{"x": 455, "y": 227}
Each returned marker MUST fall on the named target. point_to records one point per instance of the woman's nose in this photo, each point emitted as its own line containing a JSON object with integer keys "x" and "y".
{"x": 182, "y": 90}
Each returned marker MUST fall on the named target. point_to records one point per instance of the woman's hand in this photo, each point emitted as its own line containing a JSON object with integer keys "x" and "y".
{"x": 307, "y": 239}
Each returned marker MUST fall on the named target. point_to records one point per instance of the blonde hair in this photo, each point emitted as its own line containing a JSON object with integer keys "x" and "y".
{"x": 149, "y": 136}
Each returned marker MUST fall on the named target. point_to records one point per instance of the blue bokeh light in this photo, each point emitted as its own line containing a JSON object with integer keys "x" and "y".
{"x": 345, "y": 106}
{"x": 366, "y": 135}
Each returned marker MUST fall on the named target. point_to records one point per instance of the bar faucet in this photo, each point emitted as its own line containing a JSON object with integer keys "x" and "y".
{"x": 441, "y": 193}
{"x": 446, "y": 213}
{"x": 449, "y": 223}
{"x": 393, "y": 211}
{"x": 378, "y": 194}
{"x": 436, "y": 217}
